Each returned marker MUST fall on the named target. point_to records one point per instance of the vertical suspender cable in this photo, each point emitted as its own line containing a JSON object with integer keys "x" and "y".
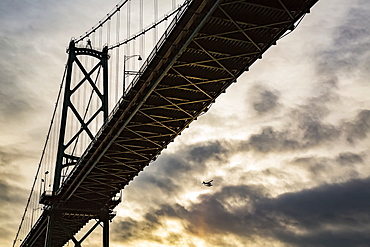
{"x": 100, "y": 37}
{"x": 93, "y": 36}
{"x": 141, "y": 52}
{"x": 117, "y": 53}
{"x": 108, "y": 32}
{"x": 155, "y": 20}
{"x": 127, "y": 52}
{"x": 128, "y": 28}
{"x": 109, "y": 65}
{"x": 110, "y": 105}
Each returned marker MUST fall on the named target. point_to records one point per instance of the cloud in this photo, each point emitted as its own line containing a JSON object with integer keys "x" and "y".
{"x": 359, "y": 128}
{"x": 330, "y": 215}
{"x": 348, "y": 158}
{"x": 295, "y": 126}
{"x": 303, "y": 134}
{"x": 270, "y": 140}
{"x": 167, "y": 176}
{"x": 348, "y": 50}
{"x": 305, "y": 128}
{"x": 316, "y": 217}
{"x": 263, "y": 100}
{"x": 208, "y": 150}
{"x": 12, "y": 196}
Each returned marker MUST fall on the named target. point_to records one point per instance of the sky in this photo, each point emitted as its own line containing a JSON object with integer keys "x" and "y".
{"x": 287, "y": 146}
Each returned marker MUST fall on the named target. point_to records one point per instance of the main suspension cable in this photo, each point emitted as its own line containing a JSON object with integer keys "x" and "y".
{"x": 154, "y": 25}
{"x": 103, "y": 21}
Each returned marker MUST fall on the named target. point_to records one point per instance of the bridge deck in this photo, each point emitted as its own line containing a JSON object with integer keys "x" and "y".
{"x": 211, "y": 45}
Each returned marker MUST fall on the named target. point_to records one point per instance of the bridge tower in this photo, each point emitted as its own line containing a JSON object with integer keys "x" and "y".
{"x": 65, "y": 156}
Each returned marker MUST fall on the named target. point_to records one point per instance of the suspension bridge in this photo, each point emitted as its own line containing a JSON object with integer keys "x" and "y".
{"x": 132, "y": 84}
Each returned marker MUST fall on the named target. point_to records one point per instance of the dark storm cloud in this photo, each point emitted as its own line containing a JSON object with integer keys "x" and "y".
{"x": 330, "y": 215}
{"x": 264, "y": 100}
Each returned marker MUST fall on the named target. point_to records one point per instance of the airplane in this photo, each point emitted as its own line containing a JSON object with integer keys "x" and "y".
{"x": 208, "y": 184}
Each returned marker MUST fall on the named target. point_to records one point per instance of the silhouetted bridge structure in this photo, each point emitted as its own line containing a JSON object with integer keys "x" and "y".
{"x": 204, "y": 50}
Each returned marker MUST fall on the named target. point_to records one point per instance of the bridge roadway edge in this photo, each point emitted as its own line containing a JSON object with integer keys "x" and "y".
{"x": 153, "y": 92}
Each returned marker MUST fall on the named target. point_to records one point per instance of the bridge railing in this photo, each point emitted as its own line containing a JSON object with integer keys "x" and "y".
{"x": 159, "y": 44}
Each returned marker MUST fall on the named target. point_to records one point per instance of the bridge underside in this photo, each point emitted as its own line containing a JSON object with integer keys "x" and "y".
{"x": 213, "y": 43}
